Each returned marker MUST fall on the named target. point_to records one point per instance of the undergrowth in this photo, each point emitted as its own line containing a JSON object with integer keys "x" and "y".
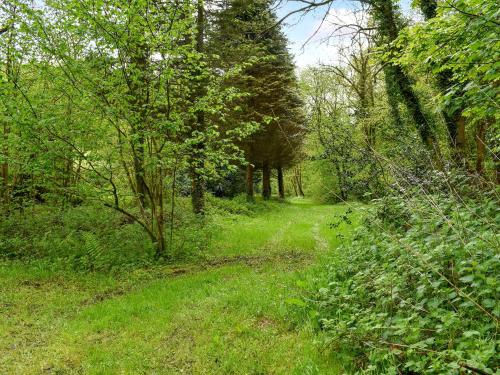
{"x": 92, "y": 238}
{"x": 416, "y": 290}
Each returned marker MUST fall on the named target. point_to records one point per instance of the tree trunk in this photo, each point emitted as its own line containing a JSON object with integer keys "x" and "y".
{"x": 140, "y": 183}
{"x": 392, "y": 91}
{"x": 160, "y": 246}
{"x": 341, "y": 182}
{"x": 299, "y": 185}
{"x": 197, "y": 188}
{"x": 455, "y": 122}
{"x": 160, "y": 230}
{"x": 249, "y": 182}
{"x": 461, "y": 143}
{"x": 281, "y": 183}
{"x": 480, "y": 147}
{"x": 9, "y": 62}
{"x": 139, "y": 94}
{"x": 294, "y": 185}
{"x": 197, "y": 157}
{"x": 414, "y": 108}
{"x": 5, "y": 166}
{"x": 298, "y": 180}
{"x": 266, "y": 180}
{"x": 386, "y": 15}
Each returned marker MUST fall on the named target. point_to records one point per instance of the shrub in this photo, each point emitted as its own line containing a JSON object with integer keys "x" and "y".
{"x": 191, "y": 234}
{"x": 239, "y": 205}
{"x": 235, "y": 206}
{"x": 417, "y": 289}
{"x": 85, "y": 238}
{"x": 94, "y": 238}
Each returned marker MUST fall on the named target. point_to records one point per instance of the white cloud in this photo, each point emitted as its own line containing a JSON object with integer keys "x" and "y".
{"x": 328, "y": 36}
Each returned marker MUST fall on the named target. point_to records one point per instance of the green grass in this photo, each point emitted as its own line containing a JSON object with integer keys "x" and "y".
{"x": 226, "y": 315}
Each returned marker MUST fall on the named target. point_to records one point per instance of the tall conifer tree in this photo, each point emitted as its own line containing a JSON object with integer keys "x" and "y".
{"x": 245, "y": 32}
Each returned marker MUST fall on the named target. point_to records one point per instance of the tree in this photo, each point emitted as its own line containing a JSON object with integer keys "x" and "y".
{"x": 386, "y": 17}
{"x": 9, "y": 77}
{"x": 133, "y": 79}
{"x": 388, "y": 24}
{"x": 197, "y": 162}
{"x": 245, "y": 34}
{"x": 455, "y": 122}
{"x": 358, "y": 71}
{"x": 459, "y": 44}
{"x": 329, "y": 119}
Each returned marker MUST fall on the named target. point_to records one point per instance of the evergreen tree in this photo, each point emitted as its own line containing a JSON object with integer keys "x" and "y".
{"x": 245, "y": 33}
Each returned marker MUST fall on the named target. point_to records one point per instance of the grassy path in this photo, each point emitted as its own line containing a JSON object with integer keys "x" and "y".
{"x": 226, "y": 316}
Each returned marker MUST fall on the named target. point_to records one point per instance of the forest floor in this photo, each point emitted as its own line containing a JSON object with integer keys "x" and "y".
{"x": 228, "y": 314}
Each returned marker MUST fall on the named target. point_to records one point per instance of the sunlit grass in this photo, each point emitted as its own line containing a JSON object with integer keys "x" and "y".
{"x": 230, "y": 318}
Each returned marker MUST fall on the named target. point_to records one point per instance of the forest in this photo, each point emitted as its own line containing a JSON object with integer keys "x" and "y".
{"x": 180, "y": 193}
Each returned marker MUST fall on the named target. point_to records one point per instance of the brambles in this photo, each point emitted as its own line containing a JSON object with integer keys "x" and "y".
{"x": 416, "y": 290}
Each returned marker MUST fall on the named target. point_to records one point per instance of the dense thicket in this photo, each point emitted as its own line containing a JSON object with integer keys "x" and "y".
{"x": 416, "y": 289}
{"x": 120, "y": 118}
{"x": 398, "y": 81}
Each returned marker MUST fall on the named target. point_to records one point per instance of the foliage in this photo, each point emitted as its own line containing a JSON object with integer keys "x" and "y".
{"x": 238, "y": 205}
{"x": 346, "y": 151}
{"x": 320, "y": 182}
{"x": 463, "y": 40}
{"x": 416, "y": 290}
{"x": 245, "y": 32}
{"x": 87, "y": 238}
{"x": 113, "y": 113}
{"x": 81, "y": 238}
{"x": 111, "y": 105}
{"x": 90, "y": 239}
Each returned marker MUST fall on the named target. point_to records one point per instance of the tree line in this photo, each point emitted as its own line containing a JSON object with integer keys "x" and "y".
{"x": 132, "y": 105}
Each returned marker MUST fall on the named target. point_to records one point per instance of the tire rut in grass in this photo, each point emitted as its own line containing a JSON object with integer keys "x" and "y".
{"x": 291, "y": 256}
{"x": 267, "y": 254}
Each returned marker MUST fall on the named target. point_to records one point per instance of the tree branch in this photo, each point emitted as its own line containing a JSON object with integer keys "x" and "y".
{"x": 4, "y": 29}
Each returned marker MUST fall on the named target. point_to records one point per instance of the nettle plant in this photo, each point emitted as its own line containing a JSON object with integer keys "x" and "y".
{"x": 416, "y": 291}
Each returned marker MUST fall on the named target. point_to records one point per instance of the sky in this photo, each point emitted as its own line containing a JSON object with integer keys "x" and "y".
{"x": 310, "y": 39}
{"x": 322, "y": 47}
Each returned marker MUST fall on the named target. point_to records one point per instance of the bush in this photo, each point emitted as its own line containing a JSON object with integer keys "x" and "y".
{"x": 85, "y": 238}
{"x": 417, "y": 289}
{"x": 235, "y": 206}
{"x": 94, "y": 238}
